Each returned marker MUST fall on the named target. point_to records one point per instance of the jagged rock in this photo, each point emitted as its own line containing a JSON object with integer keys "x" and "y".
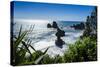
{"x": 54, "y": 24}
{"x": 49, "y": 25}
{"x": 59, "y": 43}
{"x": 60, "y": 33}
{"x": 80, "y": 26}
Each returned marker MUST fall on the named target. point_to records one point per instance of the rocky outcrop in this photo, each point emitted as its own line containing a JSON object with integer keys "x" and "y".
{"x": 80, "y": 26}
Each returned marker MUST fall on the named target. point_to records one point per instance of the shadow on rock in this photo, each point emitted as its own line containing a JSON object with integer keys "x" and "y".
{"x": 59, "y": 43}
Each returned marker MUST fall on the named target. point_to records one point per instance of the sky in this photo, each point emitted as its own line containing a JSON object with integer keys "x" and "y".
{"x": 46, "y": 11}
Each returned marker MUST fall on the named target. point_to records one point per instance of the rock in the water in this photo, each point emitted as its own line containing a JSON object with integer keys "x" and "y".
{"x": 59, "y": 43}
{"x": 60, "y": 33}
{"x": 49, "y": 25}
{"x": 80, "y": 26}
{"x": 54, "y": 24}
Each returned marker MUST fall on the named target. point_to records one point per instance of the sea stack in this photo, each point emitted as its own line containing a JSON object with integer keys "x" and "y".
{"x": 55, "y": 25}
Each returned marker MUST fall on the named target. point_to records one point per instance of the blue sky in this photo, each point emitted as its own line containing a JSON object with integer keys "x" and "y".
{"x": 45, "y": 11}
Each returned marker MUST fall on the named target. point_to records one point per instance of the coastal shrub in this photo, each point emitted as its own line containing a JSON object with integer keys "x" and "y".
{"x": 58, "y": 59}
{"x": 47, "y": 60}
{"x": 91, "y": 24}
{"x": 51, "y": 60}
{"x": 82, "y": 50}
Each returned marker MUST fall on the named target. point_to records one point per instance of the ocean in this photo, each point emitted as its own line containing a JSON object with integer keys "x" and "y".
{"x": 43, "y": 37}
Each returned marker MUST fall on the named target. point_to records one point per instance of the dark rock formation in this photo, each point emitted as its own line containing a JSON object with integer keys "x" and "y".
{"x": 54, "y": 24}
{"x": 80, "y": 26}
{"x": 60, "y": 33}
{"x": 59, "y": 42}
{"x": 49, "y": 25}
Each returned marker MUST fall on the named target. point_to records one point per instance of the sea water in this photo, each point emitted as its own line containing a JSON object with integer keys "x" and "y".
{"x": 43, "y": 37}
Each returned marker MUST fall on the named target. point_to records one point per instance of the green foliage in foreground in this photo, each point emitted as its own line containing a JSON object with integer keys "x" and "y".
{"x": 21, "y": 47}
{"x": 83, "y": 50}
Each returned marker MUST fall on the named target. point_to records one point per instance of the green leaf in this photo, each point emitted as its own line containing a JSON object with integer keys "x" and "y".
{"x": 32, "y": 47}
{"x": 19, "y": 39}
{"x": 39, "y": 59}
{"x": 20, "y": 31}
{"x": 46, "y": 50}
{"x": 26, "y": 48}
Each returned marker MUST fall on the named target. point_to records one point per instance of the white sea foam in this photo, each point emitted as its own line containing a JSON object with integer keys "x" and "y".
{"x": 50, "y": 42}
{"x": 42, "y": 37}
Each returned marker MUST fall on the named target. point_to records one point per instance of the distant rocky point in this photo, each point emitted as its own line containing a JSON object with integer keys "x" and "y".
{"x": 80, "y": 26}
